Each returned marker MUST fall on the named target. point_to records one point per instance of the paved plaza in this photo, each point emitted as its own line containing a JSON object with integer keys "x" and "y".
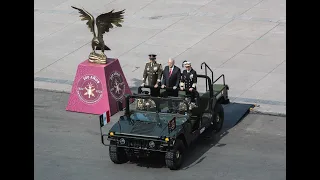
{"x": 243, "y": 39}
{"x": 67, "y": 146}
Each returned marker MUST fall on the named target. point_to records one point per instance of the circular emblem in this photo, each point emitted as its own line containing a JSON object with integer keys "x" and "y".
{"x": 117, "y": 86}
{"x": 89, "y": 89}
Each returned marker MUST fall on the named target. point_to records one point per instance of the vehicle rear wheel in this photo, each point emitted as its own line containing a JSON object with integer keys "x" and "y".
{"x": 117, "y": 154}
{"x": 218, "y": 118}
{"x": 174, "y": 157}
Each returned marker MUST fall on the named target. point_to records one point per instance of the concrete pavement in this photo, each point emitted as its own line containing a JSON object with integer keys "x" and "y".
{"x": 245, "y": 40}
{"x": 67, "y": 146}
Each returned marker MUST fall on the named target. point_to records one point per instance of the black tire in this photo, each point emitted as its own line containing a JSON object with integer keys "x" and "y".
{"x": 117, "y": 154}
{"x": 218, "y": 118}
{"x": 174, "y": 157}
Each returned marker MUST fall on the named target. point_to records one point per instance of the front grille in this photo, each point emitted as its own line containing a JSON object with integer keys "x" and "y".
{"x": 143, "y": 128}
{"x": 140, "y": 144}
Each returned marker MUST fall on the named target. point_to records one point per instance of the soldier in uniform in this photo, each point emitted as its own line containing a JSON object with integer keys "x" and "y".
{"x": 189, "y": 81}
{"x": 183, "y": 62}
{"x": 152, "y": 71}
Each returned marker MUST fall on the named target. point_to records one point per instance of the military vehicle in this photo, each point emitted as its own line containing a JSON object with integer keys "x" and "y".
{"x": 165, "y": 124}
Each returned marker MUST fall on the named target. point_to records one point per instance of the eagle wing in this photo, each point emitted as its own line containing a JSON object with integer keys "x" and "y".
{"x": 108, "y": 20}
{"x": 86, "y": 16}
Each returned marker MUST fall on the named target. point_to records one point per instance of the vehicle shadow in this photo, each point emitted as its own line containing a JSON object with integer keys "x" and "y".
{"x": 234, "y": 114}
{"x": 194, "y": 154}
{"x": 155, "y": 160}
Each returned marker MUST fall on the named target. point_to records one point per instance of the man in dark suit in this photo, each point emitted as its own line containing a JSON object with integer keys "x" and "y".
{"x": 171, "y": 78}
{"x": 189, "y": 81}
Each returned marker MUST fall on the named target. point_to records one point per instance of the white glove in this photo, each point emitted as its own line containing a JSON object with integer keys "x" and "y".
{"x": 142, "y": 84}
{"x": 162, "y": 86}
{"x": 174, "y": 87}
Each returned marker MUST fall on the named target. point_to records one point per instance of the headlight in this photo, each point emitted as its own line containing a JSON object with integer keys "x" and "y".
{"x": 111, "y": 133}
{"x": 122, "y": 141}
{"x": 152, "y": 144}
{"x": 166, "y": 139}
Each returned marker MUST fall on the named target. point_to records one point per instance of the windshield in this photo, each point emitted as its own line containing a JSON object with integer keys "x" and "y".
{"x": 152, "y": 109}
{"x": 161, "y": 105}
{"x": 157, "y": 117}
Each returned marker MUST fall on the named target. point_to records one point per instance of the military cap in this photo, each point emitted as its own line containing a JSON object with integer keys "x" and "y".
{"x": 152, "y": 56}
{"x": 183, "y": 62}
{"x": 187, "y": 64}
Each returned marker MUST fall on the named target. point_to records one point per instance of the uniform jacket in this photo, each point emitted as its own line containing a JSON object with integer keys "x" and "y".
{"x": 153, "y": 72}
{"x": 174, "y": 79}
{"x": 189, "y": 80}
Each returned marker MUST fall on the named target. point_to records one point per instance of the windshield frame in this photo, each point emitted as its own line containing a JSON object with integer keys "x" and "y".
{"x": 130, "y": 99}
{"x": 154, "y": 117}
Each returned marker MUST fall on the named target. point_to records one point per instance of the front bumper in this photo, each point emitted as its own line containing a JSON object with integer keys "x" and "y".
{"x": 139, "y": 143}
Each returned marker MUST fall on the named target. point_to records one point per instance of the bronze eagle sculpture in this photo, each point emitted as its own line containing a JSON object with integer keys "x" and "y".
{"x": 104, "y": 23}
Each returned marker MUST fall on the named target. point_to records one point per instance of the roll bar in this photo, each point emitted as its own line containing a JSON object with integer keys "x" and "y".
{"x": 205, "y": 70}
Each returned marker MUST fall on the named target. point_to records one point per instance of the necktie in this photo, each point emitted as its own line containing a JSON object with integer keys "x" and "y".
{"x": 170, "y": 72}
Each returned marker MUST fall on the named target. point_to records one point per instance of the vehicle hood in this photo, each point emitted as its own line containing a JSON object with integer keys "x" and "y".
{"x": 158, "y": 126}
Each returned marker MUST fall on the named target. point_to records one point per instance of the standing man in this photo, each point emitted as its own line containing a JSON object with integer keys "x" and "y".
{"x": 183, "y": 68}
{"x": 183, "y": 62}
{"x": 152, "y": 71}
{"x": 189, "y": 81}
{"x": 171, "y": 78}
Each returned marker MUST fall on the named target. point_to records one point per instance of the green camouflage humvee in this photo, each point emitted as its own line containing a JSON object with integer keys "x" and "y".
{"x": 165, "y": 124}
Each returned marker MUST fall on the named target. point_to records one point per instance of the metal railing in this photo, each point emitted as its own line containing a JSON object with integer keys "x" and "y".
{"x": 206, "y": 73}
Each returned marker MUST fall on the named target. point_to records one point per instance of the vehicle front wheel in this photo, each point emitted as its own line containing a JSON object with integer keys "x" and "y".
{"x": 174, "y": 157}
{"x": 218, "y": 118}
{"x": 117, "y": 154}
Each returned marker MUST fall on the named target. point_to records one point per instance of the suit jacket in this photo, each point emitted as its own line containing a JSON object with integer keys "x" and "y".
{"x": 189, "y": 80}
{"x": 174, "y": 79}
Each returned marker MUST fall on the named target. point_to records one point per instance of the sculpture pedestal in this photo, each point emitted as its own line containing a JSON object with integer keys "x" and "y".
{"x": 98, "y": 88}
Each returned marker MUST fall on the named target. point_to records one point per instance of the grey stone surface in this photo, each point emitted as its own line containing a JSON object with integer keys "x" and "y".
{"x": 245, "y": 40}
{"x": 281, "y": 69}
{"x": 253, "y": 63}
{"x": 246, "y": 29}
{"x": 67, "y": 146}
{"x": 272, "y": 82}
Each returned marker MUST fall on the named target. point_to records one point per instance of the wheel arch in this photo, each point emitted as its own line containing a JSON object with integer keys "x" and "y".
{"x": 183, "y": 138}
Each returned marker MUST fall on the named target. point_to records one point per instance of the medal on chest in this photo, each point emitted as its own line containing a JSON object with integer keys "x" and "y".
{"x": 191, "y": 76}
